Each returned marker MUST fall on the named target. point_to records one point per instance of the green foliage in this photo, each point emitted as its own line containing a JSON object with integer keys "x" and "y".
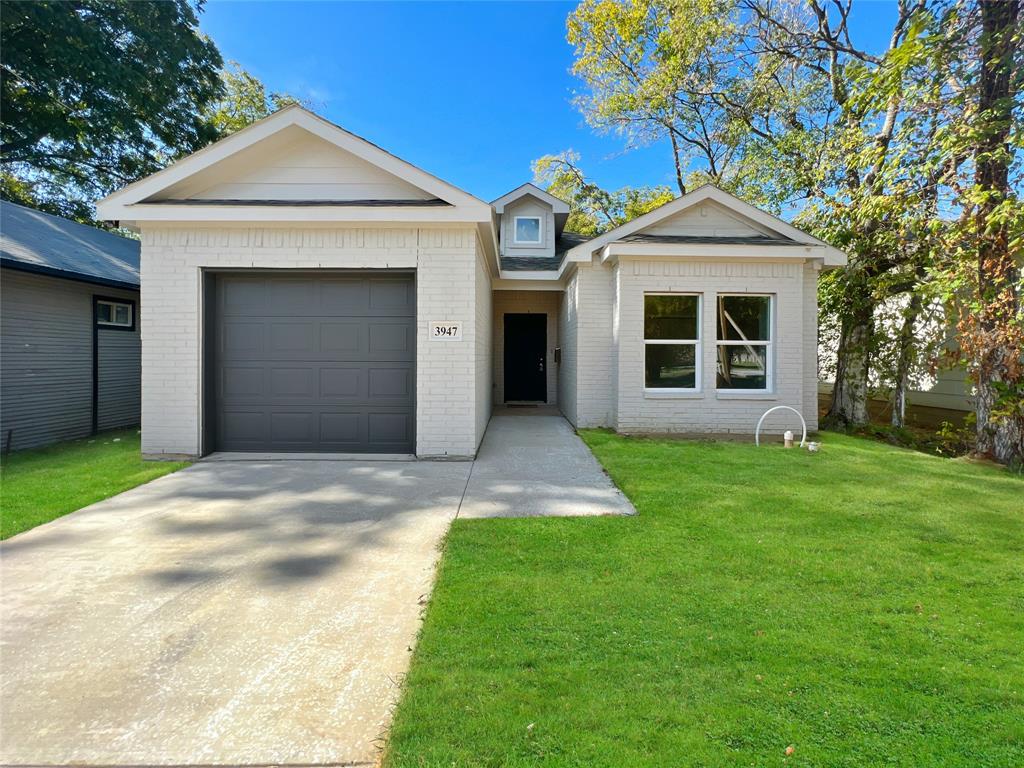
{"x": 775, "y": 101}
{"x": 244, "y": 100}
{"x": 593, "y": 210}
{"x": 861, "y": 604}
{"x": 96, "y": 94}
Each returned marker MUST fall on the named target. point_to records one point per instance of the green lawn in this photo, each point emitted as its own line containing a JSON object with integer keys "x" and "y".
{"x": 864, "y": 605}
{"x": 37, "y": 486}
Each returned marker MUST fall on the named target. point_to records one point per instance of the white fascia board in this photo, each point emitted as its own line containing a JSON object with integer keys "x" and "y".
{"x": 112, "y": 207}
{"x": 528, "y": 275}
{"x": 699, "y": 250}
{"x": 288, "y": 214}
{"x": 583, "y": 252}
{"x": 489, "y": 244}
{"x": 506, "y": 282}
{"x": 557, "y": 204}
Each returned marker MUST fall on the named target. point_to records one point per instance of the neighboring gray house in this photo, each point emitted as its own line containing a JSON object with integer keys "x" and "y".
{"x": 307, "y": 291}
{"x": 70, "y": 353}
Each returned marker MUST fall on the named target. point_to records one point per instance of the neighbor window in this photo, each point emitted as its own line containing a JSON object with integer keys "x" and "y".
{"x": 744, "y": 342}
{"x": 672, "y": 342}
{"x": 115, "y": 313}
{"x": 527, "y": 229}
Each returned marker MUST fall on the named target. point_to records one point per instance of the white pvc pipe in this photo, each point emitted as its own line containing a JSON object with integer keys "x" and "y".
{"x": 757, "y": 432}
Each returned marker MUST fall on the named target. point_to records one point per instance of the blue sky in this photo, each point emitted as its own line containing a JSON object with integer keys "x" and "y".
{"x": 471, "y": 92}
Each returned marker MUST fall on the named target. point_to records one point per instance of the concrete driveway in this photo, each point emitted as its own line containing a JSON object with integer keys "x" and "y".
{"x": 231, "y": 613}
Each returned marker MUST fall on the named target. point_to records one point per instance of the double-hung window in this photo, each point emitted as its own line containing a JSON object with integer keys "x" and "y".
{"x": 744, "y": 343}
{"x": 672, "y": 342}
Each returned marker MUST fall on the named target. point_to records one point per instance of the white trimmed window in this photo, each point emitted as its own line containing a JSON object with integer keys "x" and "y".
{"x": 672, "y": 342}
{"x": 744, "y": 342}
{"x": 115, "y": 313}
{"x": 527, "y": 230}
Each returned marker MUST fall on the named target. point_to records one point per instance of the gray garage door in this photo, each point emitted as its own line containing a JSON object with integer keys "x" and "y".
{"x": 314, "y": 362}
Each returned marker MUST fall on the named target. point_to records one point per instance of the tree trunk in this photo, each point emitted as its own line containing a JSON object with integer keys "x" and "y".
{"x": 853, "y": 361}
{"x": 906, "y": 355}
{"x": 999, "y": 437}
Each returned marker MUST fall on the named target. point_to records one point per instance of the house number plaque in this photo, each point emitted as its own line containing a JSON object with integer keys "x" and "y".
{"x": 448, "y": 331}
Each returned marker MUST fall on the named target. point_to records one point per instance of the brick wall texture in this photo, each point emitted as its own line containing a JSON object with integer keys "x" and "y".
{"x": 453, "y": 284}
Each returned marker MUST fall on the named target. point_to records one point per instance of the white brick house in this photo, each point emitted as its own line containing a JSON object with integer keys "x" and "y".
{"x": 306, "y": 291}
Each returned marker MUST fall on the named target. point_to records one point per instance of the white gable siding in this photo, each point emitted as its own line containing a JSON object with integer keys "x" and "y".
{"x": 447, "y": 280}
{"x": 707, "y": 219}
{"x": 528, "y": 206}
{"x": 294, "y": 165}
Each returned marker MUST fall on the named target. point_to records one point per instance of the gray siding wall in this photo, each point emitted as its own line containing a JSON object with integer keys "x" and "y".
{"x": 46, "y": 358}
{"x": 528, "y": 206}
{"x": 120, "y": 377}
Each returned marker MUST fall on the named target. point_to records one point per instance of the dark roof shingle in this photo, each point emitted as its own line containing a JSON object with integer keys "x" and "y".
{"x": 40, "y": 242}
{"x": 708, "y": 239}
{"x": 564, "y": 242}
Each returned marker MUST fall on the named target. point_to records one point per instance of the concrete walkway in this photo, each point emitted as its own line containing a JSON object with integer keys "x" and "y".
{"x": 532, "y": 464}
{"x": 230, "y": 613}
{"x": 252, "y": 613}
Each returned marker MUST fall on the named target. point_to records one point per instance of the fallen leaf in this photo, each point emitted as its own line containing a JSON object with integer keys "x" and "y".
{"x": 790, "y": 750}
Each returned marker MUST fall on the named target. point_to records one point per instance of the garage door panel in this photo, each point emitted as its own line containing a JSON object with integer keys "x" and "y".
{"x": 293, "y": 427}
{"x": 385, "y": 338}
{"x": 243, "y": 297}
{"x": 242, "y": 427}
{"x": 241, "y": 339}
{"x": 242, "y": 382}
{"x": 342, "y": 383}
{"x": 290, "y": 297}
{"x": 290, "y": 339}
{"x": 287, "y": 383}
{"x": 390, "y": 383}
{"x": 342, "y": 429}
{"x": 391, "y": 297}
{"x": 343, "y": 296}
{"x": 339, "y": 337}
{"x": 315, "y": 363}
{"x": 389, "y": 428}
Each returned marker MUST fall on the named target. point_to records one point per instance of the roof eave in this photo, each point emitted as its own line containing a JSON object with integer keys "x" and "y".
{"x": 141, "y": 213}
{"x": 802, "y": 251}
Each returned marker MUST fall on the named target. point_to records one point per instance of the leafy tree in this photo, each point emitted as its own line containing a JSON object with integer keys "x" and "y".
{"x": 593, "y": 210}
{"x": 773, "y": 100}
{"x": 245, "y": 99}
{"x": 96, "y": 94}
{"x": 984, "y": 274}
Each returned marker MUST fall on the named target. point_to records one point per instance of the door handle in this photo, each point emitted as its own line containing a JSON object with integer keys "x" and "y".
{"x": 541, "y": 362}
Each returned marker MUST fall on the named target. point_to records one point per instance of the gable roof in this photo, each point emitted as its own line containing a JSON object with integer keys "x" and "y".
{"x": 557, "y": 204}
{"x": 776, "y": 232}
{"x": 136, "y": 202}
{"x": 34, "y": 241}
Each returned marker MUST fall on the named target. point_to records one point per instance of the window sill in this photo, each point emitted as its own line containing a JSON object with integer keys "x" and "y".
{"x": 653, "y": 394}
{"x": 746, "y": 396}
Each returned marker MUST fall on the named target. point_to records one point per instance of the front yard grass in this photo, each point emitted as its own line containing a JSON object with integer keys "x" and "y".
{"x": 863, "y": 605}
{"x": 37, "y": 486}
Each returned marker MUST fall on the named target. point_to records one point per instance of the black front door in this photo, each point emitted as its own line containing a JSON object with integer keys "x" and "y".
{"x": 526, "y": 341}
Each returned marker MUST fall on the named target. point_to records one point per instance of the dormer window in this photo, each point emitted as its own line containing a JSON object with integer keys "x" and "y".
{"x": 527, "y": 230}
